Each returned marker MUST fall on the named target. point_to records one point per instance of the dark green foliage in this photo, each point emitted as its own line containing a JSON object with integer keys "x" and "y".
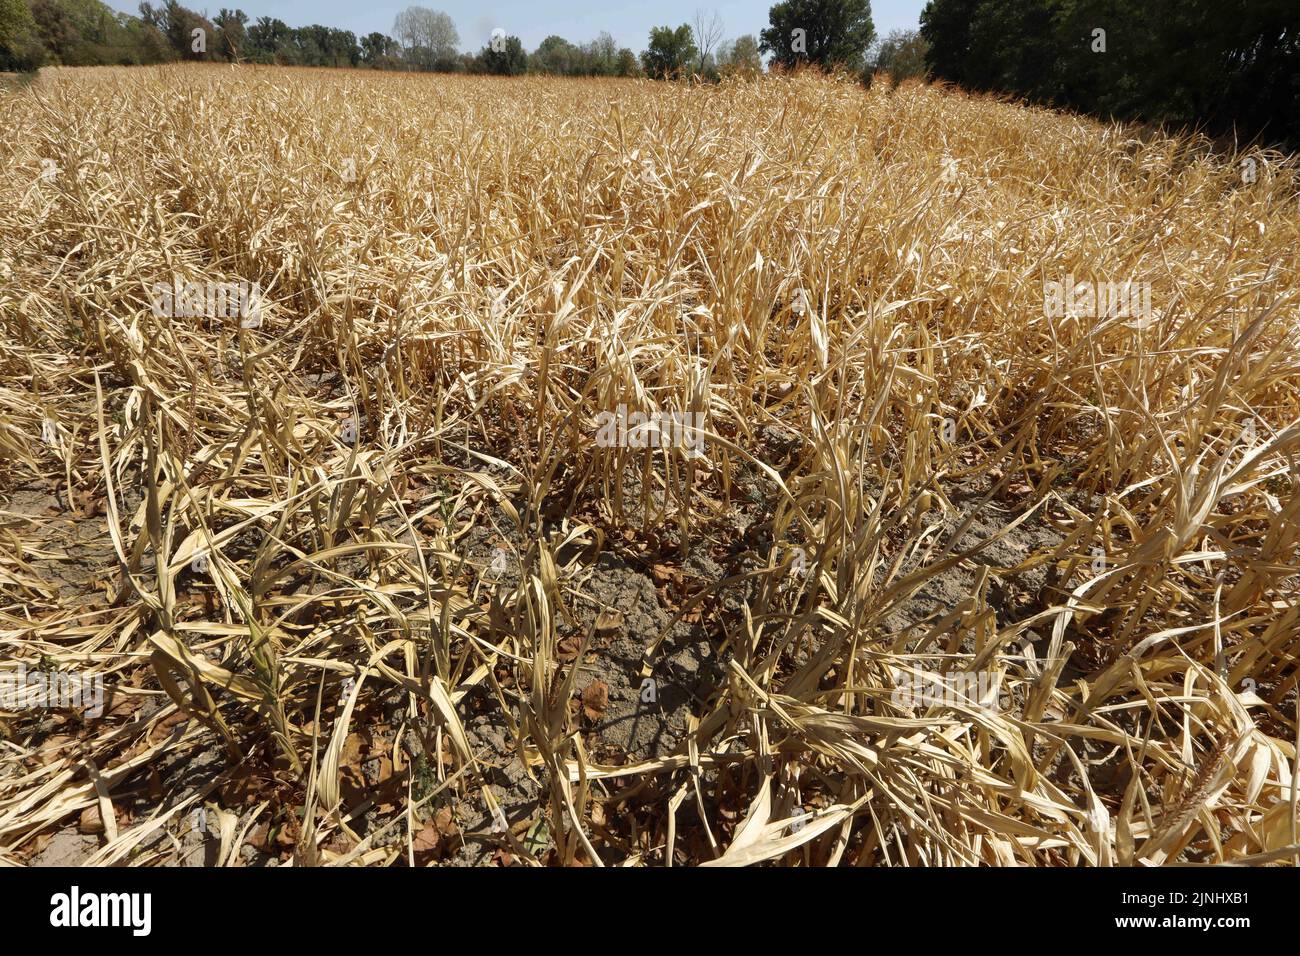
{"x": 86, "y": 32}
{"x": 20, "y": 42}
{"x": 901, "y": 55}
{"x": 74, "y": 33}
{"x": 671, "y": 52}
{"x": 380, "y": 51}
{"x": 835, "y": 33}
{"x": 601, "y": 57}
{"x": 503, "y": 57}
{"x": 1225, "y": 65}
{"x": 232, "y": 38}
{"x": 269, "y": 41}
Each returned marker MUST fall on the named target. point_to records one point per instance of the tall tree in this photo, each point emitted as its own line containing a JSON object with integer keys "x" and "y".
{"x": 20, "y": 44}
{"x": 708, "y": 29}
{"x": 192, "y": 37}
{"x": 625, "y": 63}
{"x": 740, "y": 57}
{"x": 901, "y": 55}
{"x": 670, "y": 53}
{"x": 601, "y": 55}
{"x": 509, "y": 60}
{"x": 58, "y": 34}
{"x": 378, "y": 49}
{"x": 828, "y": 33}
{"x": 945, "y": 25}
{"x": 231, "y": 34}
{"x": 554, "y": 55}
{"x": 1229, "y": 66}
{"x": 428, "y": 36}
{"x": 268, "y": 40}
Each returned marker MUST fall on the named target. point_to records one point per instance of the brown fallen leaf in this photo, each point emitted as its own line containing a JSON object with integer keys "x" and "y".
{"x": 595, "y": 699}
{"x": 289, "y": 831}
{"x": 426, "y": 844}
{"x": 91, "y": 821}
{"x": 164, "y": 726}
{"x": 566, "y": 649}
{"x": 258, "y": 836}
{"x": 445, "y": 823}
{"x": 122, "y": 705}
{"x": 33, "y": 847}
{"x": 437, "y": 838}
{"x": 609, "y": 623}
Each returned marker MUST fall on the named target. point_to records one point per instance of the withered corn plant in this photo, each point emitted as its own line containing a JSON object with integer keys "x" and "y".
{"x": 635, "y": 474}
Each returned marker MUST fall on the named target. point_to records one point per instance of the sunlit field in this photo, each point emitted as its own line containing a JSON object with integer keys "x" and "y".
{"x": 401, "y": 469}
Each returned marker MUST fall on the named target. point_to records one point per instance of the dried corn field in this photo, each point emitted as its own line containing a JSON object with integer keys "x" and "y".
{"x": 881, "y": 562}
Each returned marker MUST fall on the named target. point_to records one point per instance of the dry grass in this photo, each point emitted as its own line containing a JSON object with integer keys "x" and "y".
{"x": 514, "y": 257}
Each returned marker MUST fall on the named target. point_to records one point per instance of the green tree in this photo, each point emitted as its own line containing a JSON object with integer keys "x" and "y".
{"x": 600, "y": 56}
{"x": 554, "y": 55}
{"x": 626, "y": 64}
{"x": 901, "y": 55}
{"x": 268, "y": 40}
{"x": 20, "y": 44}
{"x": 87, "y": 33}
{"x": 58, "y": 34}
{"x": 945, "y": 25}
{"x": 148, "y": 43}
{"x": 503, "y": 56}
{"x": 232, "y": 36}
{"x": 179, "y": 25}
{"x": 670, "y": 53}
{"x": 1231, "y": 67}
{"x": 740, "y": 57}
{"x": 341, "y": 48}
{"x": 828, "y": 33}
{"x": 379, "y": 50}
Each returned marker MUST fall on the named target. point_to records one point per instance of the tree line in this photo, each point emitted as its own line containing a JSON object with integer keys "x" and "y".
{"x": 1226, "y": 66}
{"x": 35, "y": 33}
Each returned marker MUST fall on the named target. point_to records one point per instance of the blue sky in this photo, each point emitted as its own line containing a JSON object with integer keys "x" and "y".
{"x": 532, "y": 20}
